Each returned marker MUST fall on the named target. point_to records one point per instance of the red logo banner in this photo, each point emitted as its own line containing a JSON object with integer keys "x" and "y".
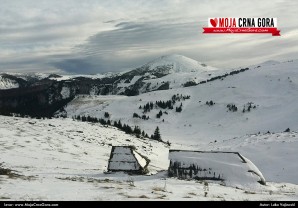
{"x": 274, "y": 31}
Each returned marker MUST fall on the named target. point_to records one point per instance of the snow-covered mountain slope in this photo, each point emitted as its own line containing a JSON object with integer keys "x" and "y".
{"x": 61, "y": 159}
{"x": 168, "y": 72}
{"x": 264, "y": 150}
{"x": 19, "y": 80}
{"x": 64, "y": 136}
{"x": 28, "y": 76}
{"x": 61, "y": 77}
{"x": 271, "y": 91}
{"x": 177, "y": 63}
{"x": 6, "y": 83}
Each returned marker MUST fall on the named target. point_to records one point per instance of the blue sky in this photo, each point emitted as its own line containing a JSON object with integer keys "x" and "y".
{"x": 95, "y": 36}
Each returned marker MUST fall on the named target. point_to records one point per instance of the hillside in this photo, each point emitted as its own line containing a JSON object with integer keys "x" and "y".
{"x": 61, "y": 159}
{"x": 266, "y": 93}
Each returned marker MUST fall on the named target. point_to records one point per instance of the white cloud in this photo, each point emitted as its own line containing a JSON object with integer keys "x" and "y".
{"x": 118, "y": 34}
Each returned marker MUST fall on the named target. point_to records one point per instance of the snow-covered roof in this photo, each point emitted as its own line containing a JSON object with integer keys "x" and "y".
{"x": 125, "y": 158}
{"x": 230, "y": 167}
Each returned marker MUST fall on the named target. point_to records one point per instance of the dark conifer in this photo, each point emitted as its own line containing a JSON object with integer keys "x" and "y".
{"x": 157, "y": 135}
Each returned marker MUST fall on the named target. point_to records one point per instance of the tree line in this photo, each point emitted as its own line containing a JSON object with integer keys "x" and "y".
{"x": 193, "y": 83}
{"x": 136, "y": 130}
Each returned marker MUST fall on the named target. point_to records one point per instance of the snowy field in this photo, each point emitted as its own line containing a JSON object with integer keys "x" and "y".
{"x": 61, "y": 159}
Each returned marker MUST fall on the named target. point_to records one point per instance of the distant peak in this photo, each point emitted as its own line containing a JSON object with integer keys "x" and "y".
{"x": 178, "y": 63}
{"x": 176, "y": 57}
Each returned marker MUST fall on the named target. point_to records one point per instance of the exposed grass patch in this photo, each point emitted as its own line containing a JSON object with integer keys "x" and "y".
{"x": 106, "y": 180}
{"x": 13, "y": 174}
{"x": 5, "y": 171}
{"x": 249, "y": 192}
{"x": 108, "y": 187}
{"x": 161, "y": 197}
{"x": 4, "y": 197}
{"x": 8, "y": 172}
{"x": 156, "y": 188}
{"x": 141, "y": 197}
{"x": 144, "y": 197}
{"x": 88, "y": 180}
{"x": 135, "y": 197}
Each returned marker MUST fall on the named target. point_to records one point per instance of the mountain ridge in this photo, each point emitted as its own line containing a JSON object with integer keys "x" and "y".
{"x": 153, "y": 76}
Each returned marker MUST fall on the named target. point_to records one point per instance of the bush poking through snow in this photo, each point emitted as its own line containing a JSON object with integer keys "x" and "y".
{"x": 206, "y": 188}
{"x": 287, "y": 130}
{"x": 210, "y": 103}
{"x": 131, "y": 182}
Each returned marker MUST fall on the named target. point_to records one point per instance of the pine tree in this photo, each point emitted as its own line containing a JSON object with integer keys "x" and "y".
{"x": 178, "y": 109}
{"x": 129, "y": 129}
{"x": 107, "y": 115}
{"x": 88, "y": 118}
{"x": 157, "y": 135}
{"x": 151, "y": 105}
{"x": 120, "y": 125}
{"x": 115, "y": 124}
{"x": 137, "y": 130}
{"x": 159, "y": 114}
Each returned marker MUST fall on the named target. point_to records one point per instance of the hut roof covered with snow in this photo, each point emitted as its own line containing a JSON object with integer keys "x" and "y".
{"x": 126, "y": 158}
{"x": 230, "y": 167}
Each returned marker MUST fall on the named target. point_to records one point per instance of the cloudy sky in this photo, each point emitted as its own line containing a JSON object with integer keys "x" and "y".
{"x": 94, "y": 36}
